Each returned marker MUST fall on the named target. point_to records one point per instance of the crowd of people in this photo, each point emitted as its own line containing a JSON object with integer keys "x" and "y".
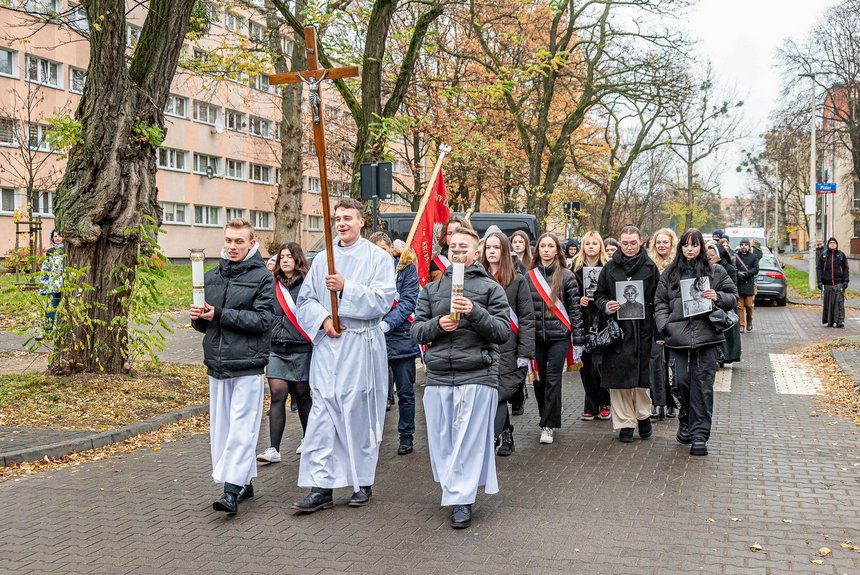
{"x": 619, "y": 311}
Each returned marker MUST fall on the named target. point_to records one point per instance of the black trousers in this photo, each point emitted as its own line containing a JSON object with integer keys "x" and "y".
{"x": 550, "y": 356}
{"x": 503, "y": 419}
{"x": 519, "y": 397}
{"x": 658, "y": 380}
{"x": 595, "y": 394}
{"x": 693, "y": 372}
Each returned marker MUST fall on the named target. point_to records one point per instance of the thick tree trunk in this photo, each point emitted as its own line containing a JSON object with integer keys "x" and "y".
{"x": 108, "y": 190}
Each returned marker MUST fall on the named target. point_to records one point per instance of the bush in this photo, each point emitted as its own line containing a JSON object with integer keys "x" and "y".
{"x": 15, "y": 258}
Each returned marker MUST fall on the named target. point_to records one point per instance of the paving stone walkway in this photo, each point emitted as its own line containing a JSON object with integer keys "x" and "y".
{"x": 586, "y": 504}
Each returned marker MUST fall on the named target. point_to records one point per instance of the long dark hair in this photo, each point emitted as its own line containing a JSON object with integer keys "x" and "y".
{"x": 557, "y": 286}
{"x": 298, "y": 257}
{"x": 701, "y": 265}
{"x": 527, "y": 255}
{"x": 506, "y": 273}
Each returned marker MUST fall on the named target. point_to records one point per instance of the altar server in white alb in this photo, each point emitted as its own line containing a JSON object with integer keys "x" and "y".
{"x": 461, "y": 396}
{"x": 236, "y": 318}
{"x": 349, "y": 370}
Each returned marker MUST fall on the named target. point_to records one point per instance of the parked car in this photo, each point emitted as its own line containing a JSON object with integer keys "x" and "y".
{"x": 771, "y": 282}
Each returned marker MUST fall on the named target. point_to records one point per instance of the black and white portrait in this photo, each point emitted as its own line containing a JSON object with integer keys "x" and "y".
{"x": 589, "y": 280}
{"x": 631, "y": 296}
{"x": 691, "y": 296}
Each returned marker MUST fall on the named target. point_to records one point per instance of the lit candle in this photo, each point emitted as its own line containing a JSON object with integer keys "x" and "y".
{"x": 197, "y": 257}
{"x": 458, "y": 273}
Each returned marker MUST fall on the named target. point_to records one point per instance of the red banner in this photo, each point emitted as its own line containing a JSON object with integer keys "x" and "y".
{"x": 436, "y": 212}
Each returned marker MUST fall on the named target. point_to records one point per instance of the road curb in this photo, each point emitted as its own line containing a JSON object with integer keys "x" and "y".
{"x": 100, "y": 439}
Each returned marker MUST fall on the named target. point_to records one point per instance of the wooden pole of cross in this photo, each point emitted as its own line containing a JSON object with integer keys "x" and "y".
{"x": 313, "y": 77}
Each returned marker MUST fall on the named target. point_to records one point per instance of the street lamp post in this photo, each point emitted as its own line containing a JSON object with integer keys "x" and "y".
{"x": 813, "y": 233}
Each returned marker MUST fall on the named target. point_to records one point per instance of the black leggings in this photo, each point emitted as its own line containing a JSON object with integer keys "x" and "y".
{"x": 301, "y": 393}
{"x": 503, "y": 419}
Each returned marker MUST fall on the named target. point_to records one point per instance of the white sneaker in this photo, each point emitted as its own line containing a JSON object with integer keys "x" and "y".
{"x": 546, "y": 435}
{"x": 299, "y": 448}
{"x": 271, "y": 455}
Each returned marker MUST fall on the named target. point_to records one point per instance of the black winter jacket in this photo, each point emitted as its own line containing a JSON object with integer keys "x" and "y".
{"x": 470, "y": 353}
{"x": 747, "y": 272}
{"x": 285, "y": 337}
{"x": 523, "y": 345}
{"x": 238, "y": 339}
{"x": 547, "y": 326}
{"x": 698, "y": 331}
{"x": 832, "y": 268}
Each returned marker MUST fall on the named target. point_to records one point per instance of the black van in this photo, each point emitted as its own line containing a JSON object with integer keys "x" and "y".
{"x": 397, "y": 224}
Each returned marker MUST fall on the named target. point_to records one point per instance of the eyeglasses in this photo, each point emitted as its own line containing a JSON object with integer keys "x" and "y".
{"x": 632, "y": 244}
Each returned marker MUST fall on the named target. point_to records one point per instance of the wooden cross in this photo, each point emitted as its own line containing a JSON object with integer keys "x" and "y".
{"x": 313, "y": 77}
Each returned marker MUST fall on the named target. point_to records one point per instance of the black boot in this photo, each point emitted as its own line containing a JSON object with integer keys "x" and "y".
{"x": 227, "y": 503}
{"x": 507, "y": 446}
{"x": 683, "y": 436}
{"x": 317, "y": 499}
{"x": 671, "y": 412}
{"x": 461, "y": 516}
{"x": 246, "y": 493}
{"x": 361, "y": 497}
{"x": 625, "y": 435}
{"x": 405, "y": 445}
{"x": 645, "y": 429}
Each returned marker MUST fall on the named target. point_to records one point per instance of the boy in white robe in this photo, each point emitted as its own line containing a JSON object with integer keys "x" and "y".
{"x": 349, "y": 370}
{"x": 460, "y": 397}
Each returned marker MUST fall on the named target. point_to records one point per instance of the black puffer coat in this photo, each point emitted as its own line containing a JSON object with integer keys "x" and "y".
{"x": 522, "y": 345}
{"x": 747, "y": 272}
{"x": 470, "y": 353}
{"x": 547, "y": 326}
{"x": 698, "y": 331}
{"x": 285, "y": 337}
{"x": 626, "y": 365}
{"x": 238, "y": 339}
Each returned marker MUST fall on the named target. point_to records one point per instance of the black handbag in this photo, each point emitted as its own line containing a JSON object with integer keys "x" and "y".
{"x": 610, "y": 335}
{"x": 723, "y": 320}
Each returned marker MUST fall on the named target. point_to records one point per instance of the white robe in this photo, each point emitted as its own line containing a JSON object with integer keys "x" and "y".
{"x": 349, "y": 374}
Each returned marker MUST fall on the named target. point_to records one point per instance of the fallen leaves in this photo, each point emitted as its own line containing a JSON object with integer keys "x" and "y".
{"x": 840, "y": 395}
{"x": 755, "y": 547}
{"x": 824, "y": 551}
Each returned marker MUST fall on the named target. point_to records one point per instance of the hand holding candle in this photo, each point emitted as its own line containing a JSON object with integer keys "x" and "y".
{"x": 197, "y": 288}
{"x": 458, "y": 273}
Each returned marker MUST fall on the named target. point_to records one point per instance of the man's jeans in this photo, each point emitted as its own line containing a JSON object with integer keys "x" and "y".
{"x": 404, "y": 380}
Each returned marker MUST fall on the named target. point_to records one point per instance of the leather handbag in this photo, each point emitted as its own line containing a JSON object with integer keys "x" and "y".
{"x": 723, "y": 320}
{"x": 607, "y": 337}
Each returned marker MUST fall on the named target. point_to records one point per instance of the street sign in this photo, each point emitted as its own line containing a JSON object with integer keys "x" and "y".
{"x": 825, "y": 188}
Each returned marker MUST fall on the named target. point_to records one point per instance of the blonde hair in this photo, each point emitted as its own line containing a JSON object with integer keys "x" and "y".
{"x": 662, "y": 262}
{"x": 240, "y": 224}
{"x": 579, "y": 260}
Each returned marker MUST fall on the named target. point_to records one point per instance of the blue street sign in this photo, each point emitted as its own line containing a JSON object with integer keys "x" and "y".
{"x": 825, "y": 188}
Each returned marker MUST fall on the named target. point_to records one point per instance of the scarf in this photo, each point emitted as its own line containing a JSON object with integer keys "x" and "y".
{"x": 630, "y": 265}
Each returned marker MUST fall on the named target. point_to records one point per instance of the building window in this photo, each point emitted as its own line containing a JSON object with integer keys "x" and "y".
{"x": 261, "y": 83}
{"x": 259, "y": 127}
{"x": 176, "y": 106}
{"x": 314, "y": 223}
{"x": 77, "y": 77}
{"x": 256, "y": 31}
{"x": 235, "y": 170}
{"x": 287, "y": 46}
{"x": 43, "y": 203}
{"x": 132, "y": 35}
{"x": 202, "y": 161}
{"x": 233, "y": 22}
{"x": 206, "y": 215}
{"x": 171, "y": 159}
{"x": 212, "y": 12}
{"x": 205, "y": 113}
{"x": 314, "y": 185}
{"x": 261, "y": 174}
{"x": 234, "y": 213}
{"x": 8, "y": 63}
{"x": 78, "y": 18}
{"x": 235, "y": 120}
{"x": 8, "y": 132}
{"x": 41, "y": 6}
{"x": 261, "y": 220}
{"x": 44, "y": 72}
{"x": 8, "y": 200}
{"x": 37, "y": 137}
{"x": 201, "y": 55}
{"x": 174, "y": 213}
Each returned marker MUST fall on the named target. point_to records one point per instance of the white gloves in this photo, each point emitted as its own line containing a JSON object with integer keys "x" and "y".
{"x": 577, "y": 353}
{"x": 522, "y": 362}
{"x": 385, "y": 327}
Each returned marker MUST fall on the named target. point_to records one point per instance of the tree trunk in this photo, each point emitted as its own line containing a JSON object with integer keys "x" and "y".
{"x": 108, "y": 190}
{"x": 688, "y": 217}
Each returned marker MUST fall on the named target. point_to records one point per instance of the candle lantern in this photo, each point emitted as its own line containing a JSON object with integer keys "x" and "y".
{"x": 197, "y": 258}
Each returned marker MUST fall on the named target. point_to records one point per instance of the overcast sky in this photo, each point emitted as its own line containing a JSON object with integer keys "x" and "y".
{"x": 740, "y": 38}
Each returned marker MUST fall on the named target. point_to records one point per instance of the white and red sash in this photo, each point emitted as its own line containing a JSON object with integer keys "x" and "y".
{"x": 289, "y": 307}
{"x": 557, "y": 307}
{"x": 411, "y": 317}
{"x": 441, "y": 262}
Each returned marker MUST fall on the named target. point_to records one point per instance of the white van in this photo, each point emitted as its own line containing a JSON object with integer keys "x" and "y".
{"x": 735, "y": 236}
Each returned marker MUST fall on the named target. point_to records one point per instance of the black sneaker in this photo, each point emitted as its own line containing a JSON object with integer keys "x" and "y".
{"x": 645, "y": 429}
{"x": 699, "y": 447}
{"x": 683, "y": 436}
{"x": 507, "y": 446}
{"x": 405, "y": 446}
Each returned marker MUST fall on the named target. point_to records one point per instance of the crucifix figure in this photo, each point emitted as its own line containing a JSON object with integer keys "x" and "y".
{"x": 313, "y": 77}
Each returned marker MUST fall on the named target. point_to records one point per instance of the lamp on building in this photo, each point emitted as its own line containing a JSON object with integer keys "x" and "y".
{"x": 197, "y": 257}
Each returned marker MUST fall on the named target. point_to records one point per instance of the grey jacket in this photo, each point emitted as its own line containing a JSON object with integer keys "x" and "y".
{"x": 470, "y": 353}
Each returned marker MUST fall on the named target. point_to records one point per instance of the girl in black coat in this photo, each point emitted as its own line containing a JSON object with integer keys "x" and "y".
{"x": 624, "y": 368}
{"x": 290, "y": 357}
{"x": 514, "y": 354}
{"x": 592, "y": 255}
{"x": 558, "y": 325}
{"x": 693, "y": 341}
{"x": 718, "y": 254}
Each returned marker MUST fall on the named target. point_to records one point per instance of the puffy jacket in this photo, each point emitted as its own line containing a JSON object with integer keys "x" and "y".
{"x": 285, "y": 337}
{"x": 238, "y": 339}
{"x": 398, "y": 340}
{"x": 470, "y": 353}
{"x": 547, "y": 326}
{"x": 747, "y": 272}
{"x": 517, "y": 345}
{"x": 832, "y": 268}
{"x": 681, "y": 332}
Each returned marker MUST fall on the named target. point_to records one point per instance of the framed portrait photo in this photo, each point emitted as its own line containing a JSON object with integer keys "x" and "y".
{"x": 692, "y": 299}
{"x": 631, "y": 295}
